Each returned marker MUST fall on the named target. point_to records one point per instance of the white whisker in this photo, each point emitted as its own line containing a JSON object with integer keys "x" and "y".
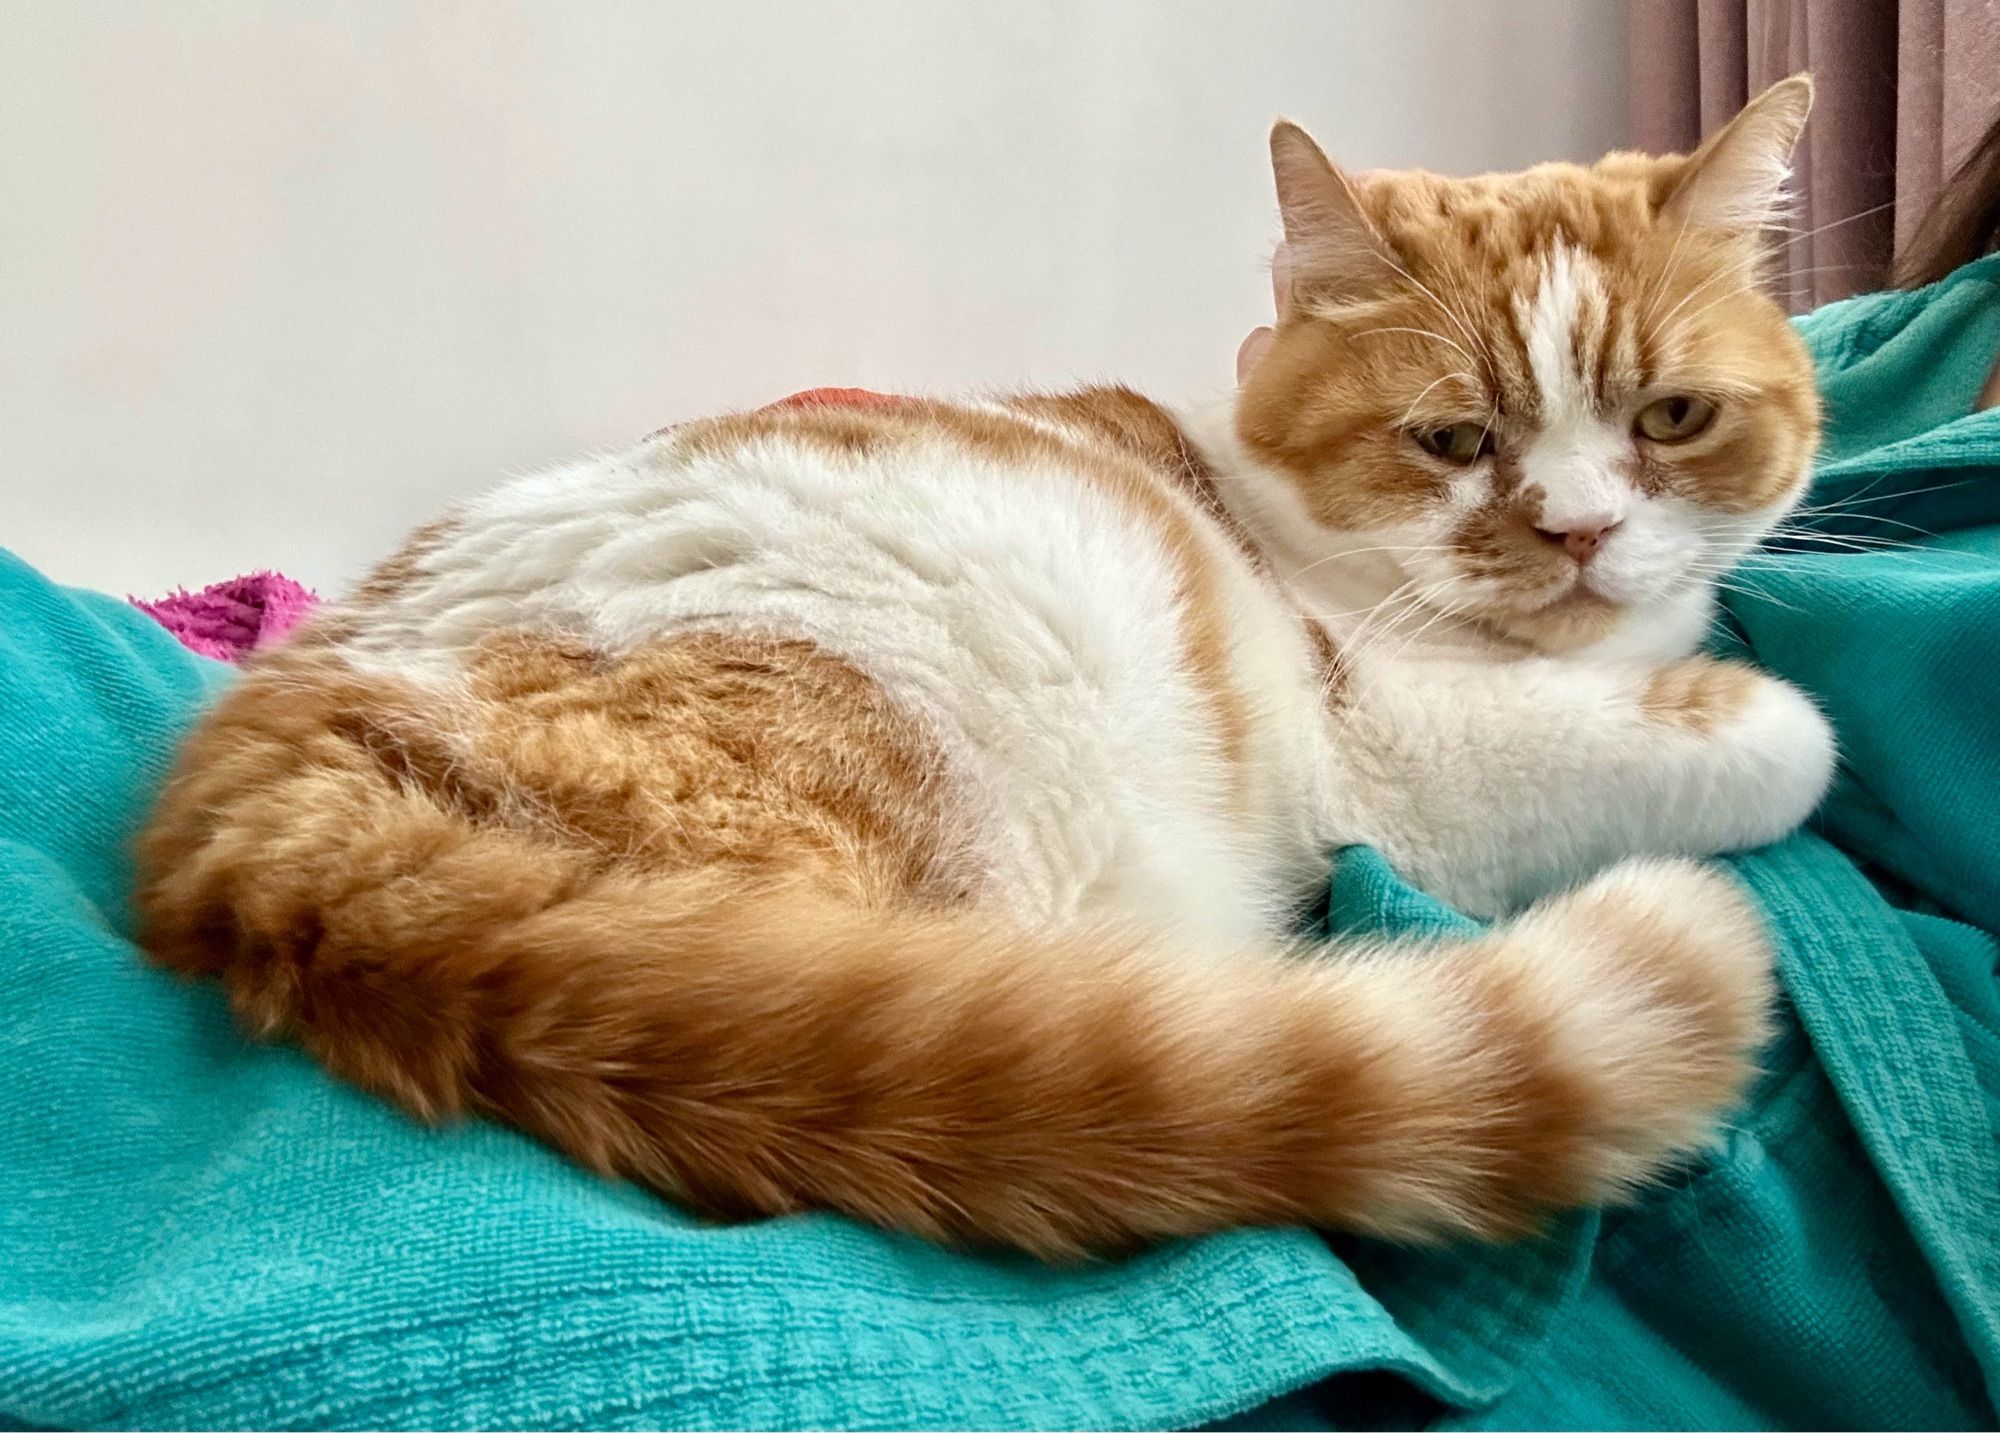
{"x": 1410, "y": 412}
{"x": 1421, "y": 333}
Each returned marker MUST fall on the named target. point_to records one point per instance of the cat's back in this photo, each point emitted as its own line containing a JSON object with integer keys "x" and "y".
{"x": 1039, "y": 580}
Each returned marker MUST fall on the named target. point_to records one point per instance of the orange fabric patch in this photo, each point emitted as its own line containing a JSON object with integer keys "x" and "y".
{"x": 866, "y": 398}
{"x": 839, "y": 398}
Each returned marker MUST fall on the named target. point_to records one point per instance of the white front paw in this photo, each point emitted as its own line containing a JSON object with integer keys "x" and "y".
{"x": 1778, "y": 758}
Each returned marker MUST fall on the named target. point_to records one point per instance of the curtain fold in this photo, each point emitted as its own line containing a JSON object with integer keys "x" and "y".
{"x": 1904, "y": 89}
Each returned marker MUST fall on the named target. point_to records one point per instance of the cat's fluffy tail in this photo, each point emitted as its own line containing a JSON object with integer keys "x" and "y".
{"x": 755, "y": 1048}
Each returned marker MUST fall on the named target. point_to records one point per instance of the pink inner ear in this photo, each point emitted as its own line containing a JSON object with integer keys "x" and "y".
{"x": 1252, "y": 352}
{"x": 1281, "y": 278}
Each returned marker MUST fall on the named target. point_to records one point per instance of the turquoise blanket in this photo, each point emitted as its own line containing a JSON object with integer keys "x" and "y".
{"x": 198, "y": 1231}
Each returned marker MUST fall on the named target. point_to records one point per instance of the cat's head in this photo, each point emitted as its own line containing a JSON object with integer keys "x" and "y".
{"x": 1547, "y": 398}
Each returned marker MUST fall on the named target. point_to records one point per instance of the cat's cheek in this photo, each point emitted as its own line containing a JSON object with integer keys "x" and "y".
{"x": 1733, "y": 537}
{"x": 1466, "y": 494}
{"x": 1433, "y": 541}
{"x": 1660, "y": 551}
{"x": 1644, "y": 575}
{"x": 1439, "y": 583}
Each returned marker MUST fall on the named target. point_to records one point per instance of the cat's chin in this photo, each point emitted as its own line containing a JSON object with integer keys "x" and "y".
{"x": 1571, "y": 619}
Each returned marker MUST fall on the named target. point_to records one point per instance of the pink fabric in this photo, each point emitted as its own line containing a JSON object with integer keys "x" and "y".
{"x": 229, "y": 620}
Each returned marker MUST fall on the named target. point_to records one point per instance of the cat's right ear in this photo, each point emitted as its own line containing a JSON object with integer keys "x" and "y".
{"x": 1736, "y": 180}
{"x": 1334, "y": 250}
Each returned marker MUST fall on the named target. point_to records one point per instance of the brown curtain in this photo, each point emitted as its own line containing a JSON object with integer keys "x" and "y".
{"x": 1904, "y": 89}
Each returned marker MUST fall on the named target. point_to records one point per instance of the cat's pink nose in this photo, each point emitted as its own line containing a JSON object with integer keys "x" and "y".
{"x": 1582, "y": 540}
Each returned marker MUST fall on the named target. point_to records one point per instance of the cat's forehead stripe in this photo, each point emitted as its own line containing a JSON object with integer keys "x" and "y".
{"x": 1561, "y": 324}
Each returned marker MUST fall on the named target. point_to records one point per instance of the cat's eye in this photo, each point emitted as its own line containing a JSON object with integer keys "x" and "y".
{"x": 1460, "y": 443}
{"x": 1674, "y": 419}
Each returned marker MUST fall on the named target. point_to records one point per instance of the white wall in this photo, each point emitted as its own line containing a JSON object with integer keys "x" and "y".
{"x": 276, "y": 280}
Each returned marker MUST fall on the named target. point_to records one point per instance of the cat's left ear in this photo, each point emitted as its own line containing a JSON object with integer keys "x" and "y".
{"x": 1736, "y": 180}
{"x": 1333, "y": 249}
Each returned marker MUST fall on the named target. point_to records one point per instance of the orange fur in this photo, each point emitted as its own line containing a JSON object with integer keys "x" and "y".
{"x": 397, "y": 571}
{"x": 1699, "y": 694}
{"x": 751, "y": 983}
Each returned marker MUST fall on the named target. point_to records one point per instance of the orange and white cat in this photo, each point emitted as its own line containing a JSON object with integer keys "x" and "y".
{"x": 901, "y": 806}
